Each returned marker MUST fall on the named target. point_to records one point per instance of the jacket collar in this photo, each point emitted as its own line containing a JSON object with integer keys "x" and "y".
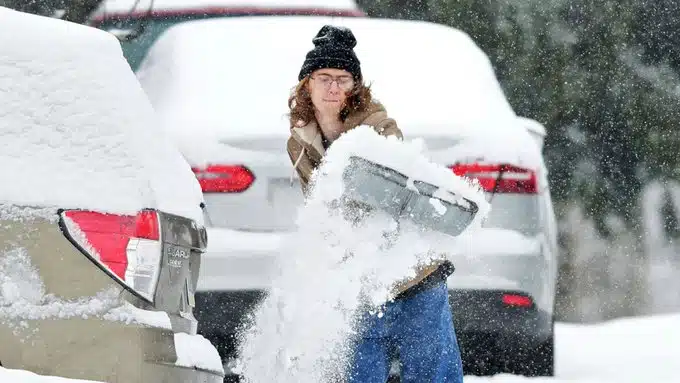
{"x": 310, "y": 134}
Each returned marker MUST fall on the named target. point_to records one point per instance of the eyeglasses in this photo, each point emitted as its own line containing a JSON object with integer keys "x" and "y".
{"x": 344, "y": 82}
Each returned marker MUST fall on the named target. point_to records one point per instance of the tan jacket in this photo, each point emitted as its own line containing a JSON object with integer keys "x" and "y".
{"x": 306, "y": 150}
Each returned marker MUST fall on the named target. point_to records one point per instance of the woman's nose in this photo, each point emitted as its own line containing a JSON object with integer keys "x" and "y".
{"x": 334, "y": 88}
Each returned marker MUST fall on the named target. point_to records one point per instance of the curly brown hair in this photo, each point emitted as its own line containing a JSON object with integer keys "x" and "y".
{"x": 301, "y": 107}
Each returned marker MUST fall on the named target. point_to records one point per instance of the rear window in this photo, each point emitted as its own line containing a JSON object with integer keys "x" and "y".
{"x": 519, "y": 212}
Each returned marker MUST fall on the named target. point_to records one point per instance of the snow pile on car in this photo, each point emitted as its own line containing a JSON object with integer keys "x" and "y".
{"x": 195, "y": 351}
{"x": 76, "y": 128}
{"x": 332, "y": 267}
{"x": 202, "y": 99}
{"x": 23, "y": 298}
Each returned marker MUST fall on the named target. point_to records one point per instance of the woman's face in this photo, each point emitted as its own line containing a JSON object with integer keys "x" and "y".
{"x": 328, "y": 89}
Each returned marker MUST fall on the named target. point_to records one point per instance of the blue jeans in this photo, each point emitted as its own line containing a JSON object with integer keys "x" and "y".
{"x": 420, "y": 328}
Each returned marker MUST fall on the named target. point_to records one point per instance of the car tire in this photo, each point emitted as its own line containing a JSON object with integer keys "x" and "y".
{"x": 537, "y": 361}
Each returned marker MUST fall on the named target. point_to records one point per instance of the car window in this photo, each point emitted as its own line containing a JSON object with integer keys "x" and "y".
{"x": 135, "y": 50}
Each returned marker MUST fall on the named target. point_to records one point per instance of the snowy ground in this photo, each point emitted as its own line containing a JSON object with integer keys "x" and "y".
{"x": 637, "y": 350}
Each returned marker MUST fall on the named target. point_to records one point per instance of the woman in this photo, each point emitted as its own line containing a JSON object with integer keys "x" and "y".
{"x": 331, "y": 99}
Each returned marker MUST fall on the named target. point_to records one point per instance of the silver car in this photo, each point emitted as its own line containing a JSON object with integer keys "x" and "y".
{"x": 221, "y": 88}
{"x": 101, "y": 227}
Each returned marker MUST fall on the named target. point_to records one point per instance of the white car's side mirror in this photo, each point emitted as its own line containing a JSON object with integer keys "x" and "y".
{"x": 535, "y": 128}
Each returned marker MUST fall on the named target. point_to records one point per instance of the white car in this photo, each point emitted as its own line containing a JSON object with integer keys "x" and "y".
{"x": 101, "y": 225}
{"x": 221, "y": 88}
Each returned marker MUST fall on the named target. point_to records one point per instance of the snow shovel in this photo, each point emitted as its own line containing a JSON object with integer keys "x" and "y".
{"x": 386, "y": 189}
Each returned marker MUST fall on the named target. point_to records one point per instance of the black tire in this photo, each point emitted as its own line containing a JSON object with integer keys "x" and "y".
{"x": 539, "y": 361}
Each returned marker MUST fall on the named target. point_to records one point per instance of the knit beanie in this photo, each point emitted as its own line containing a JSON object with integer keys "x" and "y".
{"x": 333, "y": 48}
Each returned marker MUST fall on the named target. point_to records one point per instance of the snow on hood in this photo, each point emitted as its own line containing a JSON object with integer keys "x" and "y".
{"x": 215, "y": 78}
{"x": 123, "y": 6}
{"x": 331, "y": 269}
{"x": 76, "y": 129}
{"x": 23, "y": 376}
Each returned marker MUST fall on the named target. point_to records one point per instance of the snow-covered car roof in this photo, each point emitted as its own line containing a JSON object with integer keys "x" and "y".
{"x": 231, "y": 78}
{"x": 133, "y": 7}
{"x": 427, "y": 75}
{"x": 76, "y": 129}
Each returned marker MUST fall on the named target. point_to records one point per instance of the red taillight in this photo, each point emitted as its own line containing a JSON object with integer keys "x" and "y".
{"x": 511, "y": 179}
{"x": 126, "y": 246}
{"x": 517, "y": 300}
{"x": 224, "y": 178}
{"x": 146, "y": 225}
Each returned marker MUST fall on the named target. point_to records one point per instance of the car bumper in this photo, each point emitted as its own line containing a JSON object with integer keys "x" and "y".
{"x": 221, "y": 313}
{"x": 238, "y": 266}
{"x": 98, "y": 350}
{"x": 239, "y": 260}
{"x": 480, "y": 318}
{"x": 483, "y": 321}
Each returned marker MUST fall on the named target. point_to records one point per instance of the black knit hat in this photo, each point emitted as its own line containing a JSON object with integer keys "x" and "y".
{"x": 333, "y": 48}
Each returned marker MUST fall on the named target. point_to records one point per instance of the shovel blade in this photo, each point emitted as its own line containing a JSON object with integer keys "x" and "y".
{"x": 388, "y": 190}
